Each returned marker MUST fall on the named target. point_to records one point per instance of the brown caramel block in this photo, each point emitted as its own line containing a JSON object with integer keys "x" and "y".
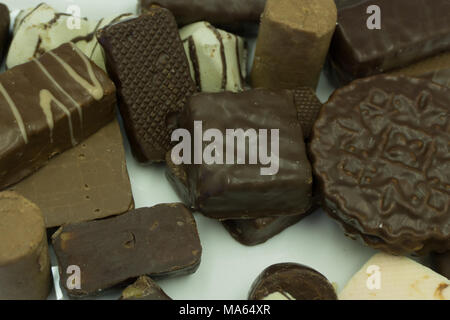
{"x": 144, "y": 289}
{"x": 293, "y": 43}
{"x": 291, "y": 281}
{"x": 160, "y": 242}
{"x": 24, "y": 258}
{"x": 84, "y": 183}
{"x": 48, "y": 106}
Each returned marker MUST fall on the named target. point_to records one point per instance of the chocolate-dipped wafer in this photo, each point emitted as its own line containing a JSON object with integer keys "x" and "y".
{"x": 441, "y": 263}
{"x": 293, "y": 43}
{"x": 144, "y": 289}
{"x": 232, "y": 182}
{"x": 24, "y": 258}
{"x": 4, "y": 29}
{"x": 87, "y": 182}
{"x": 160, "y": 242}
{"x": 291, "y": 281}
{"x": 217, "y": 59}
{"x": 47, "y": 106}
{"x": 380, "y": 152}
{"x": 152, "y": 87}
{"x": 436, "y": 69}
{"x": 232, "y": 15}
{"x": 359, "y": 51}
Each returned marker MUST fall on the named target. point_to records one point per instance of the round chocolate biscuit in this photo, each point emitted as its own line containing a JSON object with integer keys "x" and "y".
{"x": 381, "y": 149}
{"x": 291, "y": 281}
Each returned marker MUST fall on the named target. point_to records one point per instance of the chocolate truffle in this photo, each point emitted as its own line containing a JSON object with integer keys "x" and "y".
{"x": 380, "y": 152}
{"x": 217, "y": 59}
{"x": 144, "y": 289}
{"x": 291, "y": 281}
{"x": 293, "y": 43}
{"x": 24, "y": 258}
{"x": 387, "y": 277}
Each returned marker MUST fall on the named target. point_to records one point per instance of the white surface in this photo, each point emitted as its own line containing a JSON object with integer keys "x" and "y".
{"x": 229, "y": 268}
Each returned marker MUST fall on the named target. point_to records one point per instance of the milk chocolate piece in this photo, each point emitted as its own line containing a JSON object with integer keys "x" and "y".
{"x": 233, "y": 15}
{"x": 380, "y": 152}
{"x": 441, "y": 263}
{"x": 386, "y": 277}
{"x": 358, "y": 51}
{"x": 87, "y": 182}
{"x": 24, "y": 258}
{"x": 436, "y": 69}
{"x": 144, "y": 289}
{"x": 152, "y": 87}
{"x": 4, "y": 29}
{"x": 160, "y": 242}
{"x": 48, "y": 106}
{"x": 293, "y": 43}
{"x": 245, "y": 190}
{"x": 291, "y": 281}
{"x": 217, "y": 59}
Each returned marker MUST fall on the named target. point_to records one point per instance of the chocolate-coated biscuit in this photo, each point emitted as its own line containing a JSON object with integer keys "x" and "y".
{"x": 146, "y": 59}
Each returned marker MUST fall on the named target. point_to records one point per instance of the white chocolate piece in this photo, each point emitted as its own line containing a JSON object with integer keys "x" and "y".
{"x": 386, "y": 277}
{"x": 217, "y": 59}
{"x": 41, "y": 29}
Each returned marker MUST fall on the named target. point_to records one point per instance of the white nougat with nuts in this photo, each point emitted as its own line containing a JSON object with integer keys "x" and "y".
{"x": 217, "y": 59}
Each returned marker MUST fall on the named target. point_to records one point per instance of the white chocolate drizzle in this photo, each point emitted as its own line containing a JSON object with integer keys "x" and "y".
{"x": 45, "y": 100}
{"x": 15, "y": 112}
{"x": 95, "y": 89}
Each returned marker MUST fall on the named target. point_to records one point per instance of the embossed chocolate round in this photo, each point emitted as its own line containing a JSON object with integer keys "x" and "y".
{"x": 381, "y": 152}
{"x": 291, "y": 281}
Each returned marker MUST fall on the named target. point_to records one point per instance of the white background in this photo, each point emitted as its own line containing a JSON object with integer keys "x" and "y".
{"x": 228, "y": 268}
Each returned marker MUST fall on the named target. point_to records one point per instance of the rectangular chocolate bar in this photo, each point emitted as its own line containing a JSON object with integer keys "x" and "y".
{"x": 161, "y": 241}
{"x": 145, "y": 58}
{"x": 84, "y": 183}
{"x": 411, "y": 30}
{"x": 238, "y": 187}
{"x": 228, "y": 14}
{"x": 47, "y": 106}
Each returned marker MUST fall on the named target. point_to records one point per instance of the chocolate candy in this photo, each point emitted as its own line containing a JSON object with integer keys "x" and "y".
{"x": 4, "y": 28}
{"x": 152, "y": 87}
{"x": 387, "y": 277}
{"x": 41, "y": 29}
{"x": 293, "y": 43}
{"x": 436, "y": 69}
{"x": 24, "y": 258}
{"x": 380, "y": 151}
{"x": 144, "y": 289}
{"x": 291, "y": 281}
{"x": 217, "y": 59}
{"x": 87, "y": 182}
{"x": 161, "y": 241}
{"x": 234, "y": 15}
{"x": 358, "y": 51}
{"x": 308, "y": 108}
{"x": 441, "y": 263}
{"x": 48, "y": 106}
{"x": 239, "y": 188}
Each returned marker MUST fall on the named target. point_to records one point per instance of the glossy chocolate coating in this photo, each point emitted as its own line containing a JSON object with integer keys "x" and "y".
{"x": 144, "y": 289}
{"x": 87, "y": 182}
{"x": 411, "y": 30}
{"x": 160, "y": 242}
{"x": 24, "y": 258}
{"x": 291, "y": 281}
{"x": 234, "y": 191}
{"x": 380, "y": 152}
{"x": 4, "y": 29}
{"x": 47, "y": 106}
{"x": 441, "y": 263}
{"x": 145, "y": 58}
{"x": 229, "y": 14}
